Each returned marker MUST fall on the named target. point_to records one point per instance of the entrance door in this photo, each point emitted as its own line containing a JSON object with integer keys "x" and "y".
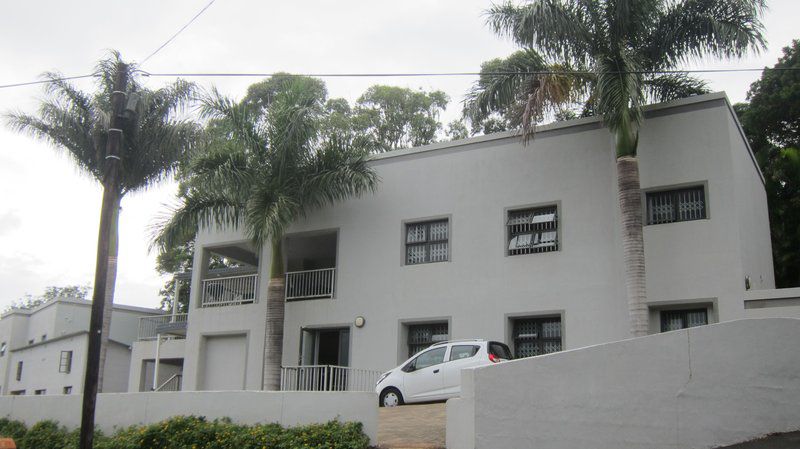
{"x": 326, "y": 352}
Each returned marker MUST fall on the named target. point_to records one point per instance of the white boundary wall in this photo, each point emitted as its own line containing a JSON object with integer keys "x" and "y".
{"x": 115, "y": 410}
{"x": 698, "y": 388}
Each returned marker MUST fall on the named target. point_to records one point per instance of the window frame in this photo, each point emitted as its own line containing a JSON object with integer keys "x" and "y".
{"x": 425, "y": 344}
{"x": 673, "y": 192}
{"x": 427, "y": 243}
{"x": 65, "y": 364}
{"x": 539, "y": 341}
{"x": 510, "y": 233}
{"x": 67, "y": 390}
{"x": 684, "y": 313}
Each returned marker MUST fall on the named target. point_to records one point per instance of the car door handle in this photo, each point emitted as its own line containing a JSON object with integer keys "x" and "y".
{"x": 435, "y": 371}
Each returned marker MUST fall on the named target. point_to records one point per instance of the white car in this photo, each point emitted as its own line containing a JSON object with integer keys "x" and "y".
{"x": 434, "y": 374}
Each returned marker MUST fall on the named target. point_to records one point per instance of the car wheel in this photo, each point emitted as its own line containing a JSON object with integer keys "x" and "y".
{"x": 390, "y": 397}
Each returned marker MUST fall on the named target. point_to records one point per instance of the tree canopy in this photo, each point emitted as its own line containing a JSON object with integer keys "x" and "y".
{"x": 771, "y": 121}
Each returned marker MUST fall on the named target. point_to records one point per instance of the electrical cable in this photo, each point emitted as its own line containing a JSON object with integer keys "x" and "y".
{"x": 416, "y": 74}
{"x": 179, "y": 31}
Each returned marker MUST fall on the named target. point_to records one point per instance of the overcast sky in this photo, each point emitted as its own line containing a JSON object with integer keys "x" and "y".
{"x": 49, "y": 212}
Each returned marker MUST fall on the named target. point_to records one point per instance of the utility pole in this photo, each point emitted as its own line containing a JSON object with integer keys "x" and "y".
{"x": 111, "y": 195}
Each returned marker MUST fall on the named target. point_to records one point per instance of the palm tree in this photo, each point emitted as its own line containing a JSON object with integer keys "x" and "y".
{"x": 612, "y": 56}
{"x": 267, "y": 165}
{"x": 78, "y": 123}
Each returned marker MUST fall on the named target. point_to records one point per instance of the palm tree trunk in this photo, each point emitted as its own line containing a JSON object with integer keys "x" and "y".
{"x": 273, "y": 342}
{"x": 111, "y": 280}
{"x": 630, "y": 204}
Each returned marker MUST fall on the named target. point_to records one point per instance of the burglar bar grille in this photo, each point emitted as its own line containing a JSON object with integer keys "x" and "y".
{"x": 536, "y": 336}
{"x": 420, "y": 336}
{"x": 532, "y": 230}
{"x": 670, "y": 206}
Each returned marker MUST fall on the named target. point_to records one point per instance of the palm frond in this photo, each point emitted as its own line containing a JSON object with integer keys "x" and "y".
{"x": 196, "y": 210}
{"x": 693, "y": 29}
{"x": 560, "y": 30}
{"x": 337, "y": 172}
{"x": 241, "y": 119}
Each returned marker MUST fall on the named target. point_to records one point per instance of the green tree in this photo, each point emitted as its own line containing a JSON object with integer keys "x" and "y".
{"x": 78, "y": 124}
{"x": 609, "y": 56}
{"x": 80, "y": 292}
{"x": 771, "y": 120}
{"x": 397, "y": 117}
{"x": 276, "y": 167}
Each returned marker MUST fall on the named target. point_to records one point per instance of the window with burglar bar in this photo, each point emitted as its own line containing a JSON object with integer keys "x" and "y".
{"x": 65, "y": 364}
{"x": 532, "y": 230}
{"x": 669, "y": 206}
{"x": 427, "y": 242}
{"x": 536, "y": 336}
{"x": 672, "y": 320}
{"x": 420, "y": 336}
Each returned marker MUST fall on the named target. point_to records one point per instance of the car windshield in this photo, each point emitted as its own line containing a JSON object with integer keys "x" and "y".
{"x": 499, "y": 350}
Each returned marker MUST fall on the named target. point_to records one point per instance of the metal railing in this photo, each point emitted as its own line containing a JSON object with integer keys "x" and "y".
{"x": 149, "y": 325}
{"x": 310, "y": 284}
{"x": 171, "y": 384}
{"x": 327, "y": 378}
{"x": 229, "y": 291}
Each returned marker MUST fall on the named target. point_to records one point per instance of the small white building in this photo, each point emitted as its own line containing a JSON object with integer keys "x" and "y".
{"x": 489, "y": 238}
{"x": 43, "y": 349}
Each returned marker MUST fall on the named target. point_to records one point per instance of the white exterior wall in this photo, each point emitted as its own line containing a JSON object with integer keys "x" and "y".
{"x": 703, "y": 387}
{"x": 473, "y": 183}
{"x": 145, "y": 351}
{"x": 40, "y": 365}
{"x": 58, "y": 319}
{"x": 248, "y": 319}
{"x": 116, "y": 411}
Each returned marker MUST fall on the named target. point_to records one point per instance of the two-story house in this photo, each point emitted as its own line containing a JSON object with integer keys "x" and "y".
{"x": 490, "y": 238}
{"x": 43, "y": 349}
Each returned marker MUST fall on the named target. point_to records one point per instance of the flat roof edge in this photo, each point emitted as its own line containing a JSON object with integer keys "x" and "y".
{"x": 696, "y": 99}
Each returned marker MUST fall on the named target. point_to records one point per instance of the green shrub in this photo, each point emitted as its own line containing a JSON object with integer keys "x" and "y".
{"x": 192, "y": 432}
{"x": 195, "y": 432}
{"x": 12, "y": 429}
{"x": 46, "y": 435}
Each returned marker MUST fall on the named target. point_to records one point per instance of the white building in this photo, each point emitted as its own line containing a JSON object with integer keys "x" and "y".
{"x": 43, "y": 349}
{"x": 490, "y": 238}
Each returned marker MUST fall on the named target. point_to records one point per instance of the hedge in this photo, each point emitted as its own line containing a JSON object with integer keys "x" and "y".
{"x": 193, "y": 432}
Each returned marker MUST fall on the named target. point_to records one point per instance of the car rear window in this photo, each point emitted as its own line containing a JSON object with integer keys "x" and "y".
{"x": 459, "y": 352}
{"x": 499, "y": 350}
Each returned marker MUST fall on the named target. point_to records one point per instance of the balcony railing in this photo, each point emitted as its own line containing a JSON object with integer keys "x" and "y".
{"x": 172, "y": 325}
{"x": 310, "y": 284}
{"x": 229, "y": 291}
{"x": 327, "y": 378}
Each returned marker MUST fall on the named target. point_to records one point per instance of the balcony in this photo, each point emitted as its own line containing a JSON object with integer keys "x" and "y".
{"x": 165, "y": 325}
{"x": 310, "y": 284}
{"x": 328, "y": 378}
{"x": 229, "y": 291}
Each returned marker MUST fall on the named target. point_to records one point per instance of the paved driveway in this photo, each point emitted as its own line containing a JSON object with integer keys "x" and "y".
{"x": 411, "y": 426}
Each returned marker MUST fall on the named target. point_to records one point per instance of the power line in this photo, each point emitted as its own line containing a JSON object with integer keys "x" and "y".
{"x": 413, "y": 74}
{"x": 425, "y": 74}
{"x": 179, "y": 31}
{"x": 30, "y": 83}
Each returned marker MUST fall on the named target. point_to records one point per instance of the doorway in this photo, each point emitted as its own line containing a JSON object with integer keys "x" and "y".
{"x": 324, "y": 356}
{"x": 325, "y": 347}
